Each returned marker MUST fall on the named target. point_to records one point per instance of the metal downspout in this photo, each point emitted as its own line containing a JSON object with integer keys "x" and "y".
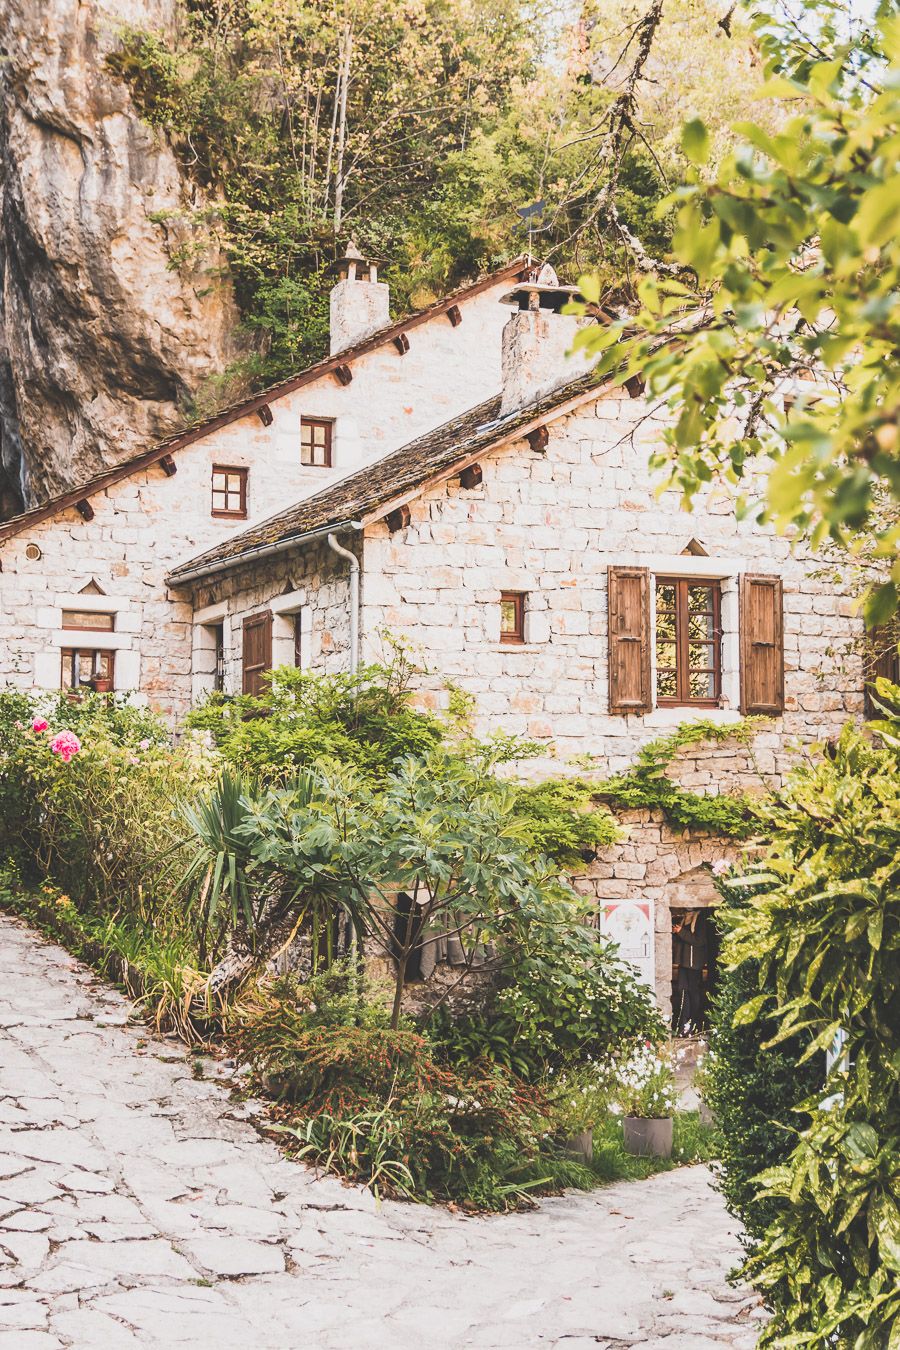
{"x": 352, "y": 559}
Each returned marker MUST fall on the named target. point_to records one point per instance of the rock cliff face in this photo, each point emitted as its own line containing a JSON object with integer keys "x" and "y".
{"x": 101, "y": 341}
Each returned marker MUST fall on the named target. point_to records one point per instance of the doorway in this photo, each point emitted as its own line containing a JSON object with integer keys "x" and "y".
{"x": 695, "y": 968}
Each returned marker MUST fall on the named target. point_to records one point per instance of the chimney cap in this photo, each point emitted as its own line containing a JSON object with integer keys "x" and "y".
{"x": 541, "y": 291}
{"x": 352, "y": 256}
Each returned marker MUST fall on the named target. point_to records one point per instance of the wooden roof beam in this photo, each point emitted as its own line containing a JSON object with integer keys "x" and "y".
{"x": 84, "y": 509}
{"x": 343, "y": 374}
{"x": 168, "y": 466}
{"x": 264, "y": 413}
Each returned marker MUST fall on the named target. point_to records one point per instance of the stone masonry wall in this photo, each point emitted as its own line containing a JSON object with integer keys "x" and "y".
{"x": 147, "y": 523}
{"x": 549, "y": 524}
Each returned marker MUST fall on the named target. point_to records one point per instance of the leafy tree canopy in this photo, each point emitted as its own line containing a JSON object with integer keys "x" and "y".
{"x": 774, "y": 337}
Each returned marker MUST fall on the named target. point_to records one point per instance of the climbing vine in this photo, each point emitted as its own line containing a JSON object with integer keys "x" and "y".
{"x": 646, "y": 783}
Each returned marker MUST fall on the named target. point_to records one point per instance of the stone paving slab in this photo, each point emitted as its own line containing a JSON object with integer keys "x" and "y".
{"x": 139, "y": 1207}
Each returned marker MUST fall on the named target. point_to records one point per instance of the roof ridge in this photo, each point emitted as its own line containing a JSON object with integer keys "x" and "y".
{"x": 177, "y": 440}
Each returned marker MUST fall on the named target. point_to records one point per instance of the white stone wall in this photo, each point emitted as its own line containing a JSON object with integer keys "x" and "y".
{"x": 550, "y": 524}
{"x": 146, "y": 524}
{"x": 313, "y": 583}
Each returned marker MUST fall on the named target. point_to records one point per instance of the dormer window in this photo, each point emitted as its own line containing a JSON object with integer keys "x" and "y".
{"x": 229, "y": 491}
{"x": 316, "y": 442}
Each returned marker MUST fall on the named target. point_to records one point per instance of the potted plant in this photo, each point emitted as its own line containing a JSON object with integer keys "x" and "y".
{"x": 102, "y": 684}
{"x": 645, "y": 1094}
{"x": 579, "y": 1100}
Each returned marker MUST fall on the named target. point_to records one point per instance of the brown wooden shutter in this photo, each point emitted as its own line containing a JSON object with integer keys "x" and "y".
{"x": 762, "y": 645}
{"x": 257, "y": 651}
{"x": 629, "y": 639}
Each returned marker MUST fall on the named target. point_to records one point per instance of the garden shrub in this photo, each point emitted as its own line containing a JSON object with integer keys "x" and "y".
{"x": 373, "y": 1103}
{"x": 753, "y": 1091}
{"x": 823, "y": 924}
{"x": 364, "y": 721}
{"x": 103, "y": 823}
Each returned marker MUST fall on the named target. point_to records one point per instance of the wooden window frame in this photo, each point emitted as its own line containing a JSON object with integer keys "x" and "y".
{"x": 327, "y": 425}
{"x": 226, "y": 512}
{"x": 67, "y": 654}
{"x": 682, "y": 669}
{"x": 513, "y": 637}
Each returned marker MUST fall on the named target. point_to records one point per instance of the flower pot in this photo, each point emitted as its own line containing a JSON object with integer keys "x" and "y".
{"x": 580, "y": 1146}
{"x": 101, "y": 684}
{"x": 648, "y": 1138}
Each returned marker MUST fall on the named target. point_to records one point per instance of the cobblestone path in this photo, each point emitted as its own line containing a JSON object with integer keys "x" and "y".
{"x": 139, "y": 1207}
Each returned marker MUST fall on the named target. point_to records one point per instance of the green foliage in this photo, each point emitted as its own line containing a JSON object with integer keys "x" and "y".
{"x": 419, "y": 129}
{"x": 372, "y": 1104}
{"x": 753, "y": 1092}
{"x": 791, "y": 265}
{"x": 646, "y": 784}
{"x": 822, "y": 927}
{"x": 563, "y": 820}
{"x": 103, "y": 826}
{"x": 364, "y": 722}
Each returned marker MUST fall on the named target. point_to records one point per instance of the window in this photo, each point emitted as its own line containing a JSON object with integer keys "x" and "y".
{"x": 298, "y": 650}
{"x": 512, "y": 616}
{"x": 83, "y": 668}
{"x": 87, "y": 622}
{"x": 688, "y": 641}
{"x": 229, "y": 491}
{"x": 257, "y": 651}
{"x": 315, "y": 442}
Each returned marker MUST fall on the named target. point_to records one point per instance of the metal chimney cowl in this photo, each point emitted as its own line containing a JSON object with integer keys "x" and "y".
{"x": 359, "y": 304}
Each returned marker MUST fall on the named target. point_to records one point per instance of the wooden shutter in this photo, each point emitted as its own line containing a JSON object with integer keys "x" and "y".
{"x": 629, "y": 639}
{"x": 257, "y": 651}
{"x": 762, "y": 645}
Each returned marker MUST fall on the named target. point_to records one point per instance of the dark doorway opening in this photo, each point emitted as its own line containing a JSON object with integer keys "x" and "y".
{"x": 695, "y": 968}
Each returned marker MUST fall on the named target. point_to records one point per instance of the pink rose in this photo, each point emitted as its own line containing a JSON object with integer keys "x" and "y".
{"x": 721, "y": 867}
{"x": 65, "y": 744}
{"x": 144, "y": 744}
{"x": 40, "y": 724}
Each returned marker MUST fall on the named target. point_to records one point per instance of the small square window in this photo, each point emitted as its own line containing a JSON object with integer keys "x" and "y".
{"x": 86, "y": 622}
{"x": 315, "y": 442}
{"x": 229, "y": 491}
{"x": 512, "y": 616}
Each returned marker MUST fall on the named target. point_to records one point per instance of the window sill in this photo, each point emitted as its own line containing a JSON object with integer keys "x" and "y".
{"x": 515, "y": 647}
{"x": 672, "y": 715}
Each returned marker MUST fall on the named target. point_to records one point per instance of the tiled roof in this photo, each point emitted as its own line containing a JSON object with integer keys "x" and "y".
{"x": 179, "y": 439}
{"x": 371, "y": 491}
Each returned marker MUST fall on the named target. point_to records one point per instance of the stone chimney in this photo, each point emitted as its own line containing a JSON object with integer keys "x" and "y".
{"x": 536, "y": 339}
{"x": 359, "y": 301}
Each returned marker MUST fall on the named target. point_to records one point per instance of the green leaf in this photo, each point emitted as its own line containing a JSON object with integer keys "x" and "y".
{"x": 695, "y": 141}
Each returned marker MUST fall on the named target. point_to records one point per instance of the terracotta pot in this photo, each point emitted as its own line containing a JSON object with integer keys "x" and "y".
{"x": 101, "y": 684}
{"x": 580, "y": 1146}
{"x": 648, "y": 1138}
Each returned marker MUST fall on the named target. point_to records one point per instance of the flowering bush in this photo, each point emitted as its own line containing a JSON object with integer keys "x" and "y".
{"x": 40, "y": 724}
{"x": 645, "y": 1084}
{"x": 65, "y": 744}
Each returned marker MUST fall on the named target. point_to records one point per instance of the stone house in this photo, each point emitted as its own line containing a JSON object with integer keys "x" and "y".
{"x": 523, "y": 550}
{"x": 83, "y": 595}
{"x": 458, "y": 481}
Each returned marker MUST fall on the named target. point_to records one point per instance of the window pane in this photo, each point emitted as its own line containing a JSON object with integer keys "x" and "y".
{"x": 699, "y": 598}
{"x": 665, "y": 627}
{"x": 665, "y": 684}
{"x": 701, "y": 626}
{"x": 702, "y": 684}
{"x": 665, "y": 654}
{"x": 665, "y": 597}
{"x": 702, "y": 656}
{"x": 508, "y": 616}
{"x": 76, "y": 618}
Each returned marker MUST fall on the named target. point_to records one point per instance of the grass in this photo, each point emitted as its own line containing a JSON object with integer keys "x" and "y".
{"x": 692, "y": 1143}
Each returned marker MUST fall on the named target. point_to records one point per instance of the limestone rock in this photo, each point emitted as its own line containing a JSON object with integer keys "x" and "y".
{"x": 102, "y": 340}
